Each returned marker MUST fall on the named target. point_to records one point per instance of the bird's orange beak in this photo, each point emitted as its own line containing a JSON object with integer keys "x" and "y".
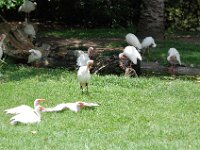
{"x": 42, "y": 100}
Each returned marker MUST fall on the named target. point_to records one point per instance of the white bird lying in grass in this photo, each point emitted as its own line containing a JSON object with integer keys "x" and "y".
{"x": 28, "y": 117}
{"x": 75, "y": 107}
{"x": 132, "y": 40}
{"x": 83, "y": 57}
{"x": 84, "y": 74}
{"x": 23, "y": 108}
{"x": 147, "y": 43}
{"x": 173, "y": 57}
{"x": 2, "y": 37}
{"x": 131, "y": 53}
{"x": 34, "y": 56}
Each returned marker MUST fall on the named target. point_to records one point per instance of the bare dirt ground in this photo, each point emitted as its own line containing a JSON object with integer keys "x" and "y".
{"x": 98, "y": 43}
{"x": 101, "y": 43}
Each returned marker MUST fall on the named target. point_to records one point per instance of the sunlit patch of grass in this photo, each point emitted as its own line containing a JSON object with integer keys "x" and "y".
{"x": 140, "y": 113}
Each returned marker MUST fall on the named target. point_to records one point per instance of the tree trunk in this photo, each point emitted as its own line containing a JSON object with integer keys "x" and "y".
{"x": 151, "y": 21}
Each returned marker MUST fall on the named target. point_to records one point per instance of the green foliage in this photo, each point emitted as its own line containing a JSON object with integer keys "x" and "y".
{"x": 183, "y": 14}
{"x": 10, "y": 3}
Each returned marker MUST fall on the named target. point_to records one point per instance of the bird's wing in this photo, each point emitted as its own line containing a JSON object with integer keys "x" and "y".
{"x": 133, "y": 40}
{"x": 89, "y": 104}
{"x": 82, "y": 60}
{"x": 26, "y": 117}
{"x": 59, "y": 107}
{"x": 75, "y": 107}
{"x": 19, "y": 109}
{"x": 132, "y": 54}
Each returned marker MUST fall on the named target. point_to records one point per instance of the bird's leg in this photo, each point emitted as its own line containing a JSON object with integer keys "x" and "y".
{"x": 148, "y": 50}
{"x": 81, "y": 87}
{"x": 86, "y": 84}
{"x": 26, "y": 18}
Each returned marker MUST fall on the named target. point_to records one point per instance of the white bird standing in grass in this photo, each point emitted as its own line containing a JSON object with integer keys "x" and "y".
{"x": 84, "y": 74}
{"x": 34, "y": 56}
{"x": 147, "y": 43}
{"x": 132, "y": 40}
{"x": 27, "y": 7}
{"x": 173, "y": 56}
{"x": 28, "y": 117}
{"x": 83, "y": 57}
{"x": 23, "y": 108}
{"x": 75, "y": 107}
{"x": 2, "y": 37}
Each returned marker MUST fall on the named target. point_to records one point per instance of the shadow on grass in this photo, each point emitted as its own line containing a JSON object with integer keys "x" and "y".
{"x": 17, "y": 73}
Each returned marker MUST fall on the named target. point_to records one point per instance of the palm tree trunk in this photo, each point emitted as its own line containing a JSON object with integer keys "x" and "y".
{"x": 151, "y": 22}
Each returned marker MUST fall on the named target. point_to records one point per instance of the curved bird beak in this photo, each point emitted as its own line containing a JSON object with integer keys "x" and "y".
{"x": 41, "y": 100}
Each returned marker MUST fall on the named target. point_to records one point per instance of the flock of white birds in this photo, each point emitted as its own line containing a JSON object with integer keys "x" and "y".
{"x": 26, "y": 114}
{"x": 133, "y": 51}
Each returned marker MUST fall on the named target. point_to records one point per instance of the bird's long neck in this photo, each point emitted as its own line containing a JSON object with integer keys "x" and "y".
{"x": 38, "y": 112}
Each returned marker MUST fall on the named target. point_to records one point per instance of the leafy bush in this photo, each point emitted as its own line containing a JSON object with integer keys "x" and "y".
{"x": 183, "y": 14}
{"x": 10, "y": 3}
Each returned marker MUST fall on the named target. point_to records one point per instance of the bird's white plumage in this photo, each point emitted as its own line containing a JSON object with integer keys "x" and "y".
{"x": 2, "y": 37}
{"x": 27, "y": 7}
{"x": 75, "y": 107}
{"x": 83, "y": 58}
{"x": 23, "y": 108}
{"x": 29, "y": 117}
{"x": 34, "y": 56}
{"x": 84, "y": 73}
{"x": 173, "y": 56}
{"x": 148, "y": 42}
{"x": 132, "y": 40}
{"x": 57, "y": 108}
{"x": 132, "y": 53}
{"x": 29, "y": 30}
{"x": 18, "y": 109}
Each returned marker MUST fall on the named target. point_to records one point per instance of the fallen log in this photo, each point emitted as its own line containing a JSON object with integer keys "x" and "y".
{"x": 158, "y": 69}
{"x": 17, "y": 46}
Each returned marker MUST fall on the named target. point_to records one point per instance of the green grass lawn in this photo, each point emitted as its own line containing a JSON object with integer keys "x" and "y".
{"x": 154, "y": 113}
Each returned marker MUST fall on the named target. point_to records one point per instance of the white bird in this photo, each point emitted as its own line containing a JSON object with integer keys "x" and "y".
{"x": 173, "y": 56}
{"x": 132, "y": 40}
{"x": 23, "y": 108}
{"x": 30, "y": 31}
{"x": 75, "y": 107}
{"x": 83, "y": 57}
{"x": 34, "y": 56}
{"x": 27, "y": 7}
{"x": 2, "y": 37}
{"x": 131, "y": 53}
{"x": 84, "y": 74}
{"x": 147, "y": 43}
{"x": 28, "y": 117}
